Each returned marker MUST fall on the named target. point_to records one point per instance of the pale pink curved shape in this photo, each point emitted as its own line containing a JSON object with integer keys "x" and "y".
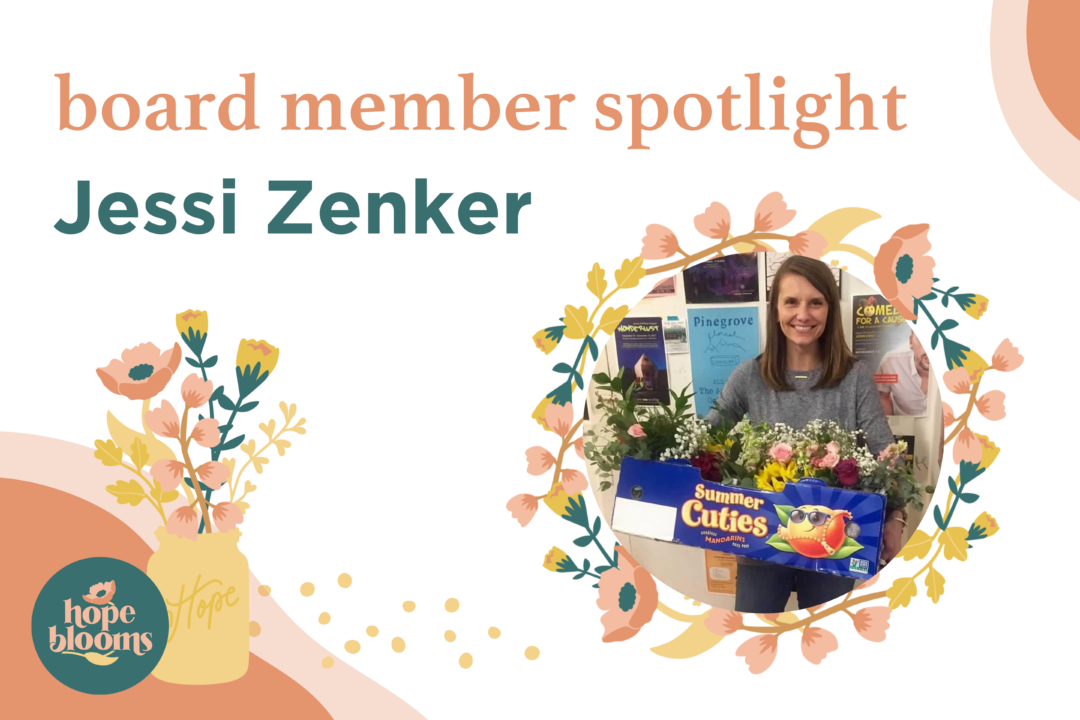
{"x": 1046, "y": 141}
{"x": 539, "y": 459}
{"x": 715, "y": 222}
{"x": 343, "y": 691}
{"x": 227, "y": 516}
{"x": 948, "y": 415}
{"x": 957, "y": 381}
{"x": 164, "y": 422}
{"x": 659, "y": 243}
{"x": 206, "y": 433}
{"x": 872, "y": 623}
{"x": 759, "y": 652}
{"x": 559, "y": 418}
{"x": 817, "y": 643}
{"x": 196, "y": 391}
{"x": 183, "y": 523}
{"x": 869, "y": 582}
{"x": 574, "y": 482}
{"x": 1006, "y": 357}
{"x": 169, "y": 473}
{"x": 579, "y": 447}
{"x": 808, "y": 244}
{"x": 213, "y": 474}
{"x": 992, "y": 405}
{"x": 636, "y": 430}
{"x": 522, "y": 508}
{"x": 723, "y": 622}
{"x": 772, "y": 213}
{"x": 966, "y": 448}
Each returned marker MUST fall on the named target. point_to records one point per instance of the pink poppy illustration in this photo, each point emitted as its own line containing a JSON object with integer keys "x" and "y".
{"x": 169, "y": 473}
{"x": 958, "y": 381}
{"x": 206, "y": 432}
{"x": 948, "y": 415}
{"x": 213, "y": 474}
{"x": 183, "y": 522}
{"x": 759, "y": 652}
{"x": 992, "y": 405}
{"x": 540, "y": 460}
{"x": 106, "y": 590}
{"x": 723, "y": 622}
{"x": 196, "y": 391}
{"x": 903, "y": 270}
{"x": 574, "y": 482}
{"x": 559, "y": 418}
{"x": 141, "y": 372}
{"x": 872, "y": 623}
{"x": 659, "y": 243}
{"x": 1006, "y": 358}
{"x": 579, "y": 447}
{"x": 817, "y": 643}
{"x": 715, "y": 222}
{"x": 628, "y": 597}
{"x": 808, "y": 244}
{"x": 523, "y": 507}
{"x": 227, "y": 516}
{"x": 772, "y": 213}
{"x": 967, "y": 448}
{"x": 164, "y": 422}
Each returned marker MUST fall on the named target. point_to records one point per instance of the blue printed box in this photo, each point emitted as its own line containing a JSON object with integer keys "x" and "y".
{"x": 809, "y": 525}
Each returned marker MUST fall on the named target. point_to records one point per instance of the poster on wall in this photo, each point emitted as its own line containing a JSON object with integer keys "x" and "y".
{"x": 639, "y": 346}
{"x": 720, "y": 339}
{"x": 727, "y": 279}
{"x": 664, "y": 288}
{"x": 774, "y": 260}
{"x": 675, "y": 336}
{"x": 882, "y": 339}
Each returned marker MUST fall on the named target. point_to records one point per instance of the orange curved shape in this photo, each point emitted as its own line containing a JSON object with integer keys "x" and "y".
{"x": 1054, "y": 54}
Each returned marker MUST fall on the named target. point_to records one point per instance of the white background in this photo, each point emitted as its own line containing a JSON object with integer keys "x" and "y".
{"x": 411, "y": 355}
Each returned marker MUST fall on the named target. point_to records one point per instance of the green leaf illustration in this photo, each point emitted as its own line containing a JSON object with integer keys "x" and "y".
{"x": 783, "y": 511}
{"x": 778, "y": 543}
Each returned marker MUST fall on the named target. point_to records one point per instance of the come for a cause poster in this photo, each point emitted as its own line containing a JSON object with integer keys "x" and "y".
{"x": 226, "y": 491}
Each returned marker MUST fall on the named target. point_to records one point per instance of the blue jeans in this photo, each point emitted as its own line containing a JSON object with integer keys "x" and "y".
{"x": 765, "y": 588}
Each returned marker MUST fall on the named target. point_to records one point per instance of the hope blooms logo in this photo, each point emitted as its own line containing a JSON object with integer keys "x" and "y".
{"x": 100, "y": 636}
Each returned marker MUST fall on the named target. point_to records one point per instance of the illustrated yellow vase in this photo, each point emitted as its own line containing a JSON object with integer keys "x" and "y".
{"x": 205, "y": 586}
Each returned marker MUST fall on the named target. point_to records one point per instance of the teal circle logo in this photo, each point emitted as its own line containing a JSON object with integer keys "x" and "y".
{"x": 100, "y": 625}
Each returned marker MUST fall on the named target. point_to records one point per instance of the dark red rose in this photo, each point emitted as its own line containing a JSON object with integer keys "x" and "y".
{"x": 847, "y": 472}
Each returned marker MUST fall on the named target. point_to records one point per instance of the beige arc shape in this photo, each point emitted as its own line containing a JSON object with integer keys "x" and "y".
{"x": 71, "y": 468}
{"x": 1049, "y": 145}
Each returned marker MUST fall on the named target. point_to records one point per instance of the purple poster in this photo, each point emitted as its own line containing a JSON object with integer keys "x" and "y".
{"x": 727, "y": 279}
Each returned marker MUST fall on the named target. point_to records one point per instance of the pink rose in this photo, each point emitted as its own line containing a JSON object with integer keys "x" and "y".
{"x": 636, "y": 431}
{"x": 830, "y": 460}
{"x": 847, "y": 472}
{"x": 781, "y": 452}
{"x": 815, "y": 462}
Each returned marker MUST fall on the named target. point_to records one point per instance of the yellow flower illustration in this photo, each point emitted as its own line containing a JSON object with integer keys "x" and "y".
{"x": 553, "y": 558}
{"x": 190, "y": 322}
{"x": 544, "y": 342}
{"x": 559, "y": 500}
{"x": 978, "y": 307}
{"x": 252, "y": 352}
{"x": 984, "y": 526}
{"x": 541, "y": 411}
{"x": 974, "y": 365}
{"x": 989, "y": 451}
{"x": 774, "y": 476}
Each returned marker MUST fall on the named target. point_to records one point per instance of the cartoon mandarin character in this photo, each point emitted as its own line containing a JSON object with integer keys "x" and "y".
{"x": 815, "y": 531}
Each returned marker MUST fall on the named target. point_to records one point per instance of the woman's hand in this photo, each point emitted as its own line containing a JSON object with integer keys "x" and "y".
{"x": 892, "y": 538}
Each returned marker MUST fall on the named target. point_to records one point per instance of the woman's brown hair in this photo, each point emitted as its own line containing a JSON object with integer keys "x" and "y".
{"x": 836, "y": 357}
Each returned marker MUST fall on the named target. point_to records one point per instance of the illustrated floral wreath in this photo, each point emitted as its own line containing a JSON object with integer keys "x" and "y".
{"x": 627, "y": 593}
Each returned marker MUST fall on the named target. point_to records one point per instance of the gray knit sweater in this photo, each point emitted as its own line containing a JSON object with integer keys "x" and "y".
{"x": 853, "y": 402}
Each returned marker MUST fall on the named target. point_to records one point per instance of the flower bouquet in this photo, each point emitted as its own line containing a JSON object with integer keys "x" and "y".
{"x": 198, "y": 568}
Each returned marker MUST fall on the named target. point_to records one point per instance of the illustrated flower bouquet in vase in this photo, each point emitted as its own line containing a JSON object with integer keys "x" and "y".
{"x": 198, "y": 567}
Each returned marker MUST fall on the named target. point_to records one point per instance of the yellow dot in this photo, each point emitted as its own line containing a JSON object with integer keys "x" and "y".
{"x": 372, "y": 631}
{"x": 532, "y": 652}
{"x": 328, "y": 662}
{"x": 465, "y": 661}
{"x": 352, "y": 647}
{"x": 452, "y": 605}
{"x": 324, "y": 619}
{"x": 398, "y": 644}
{"x": 344, "y": 580}
{"x": 307, "y": 589}
{"x": 254, "y": 629}
{"x": 450, "y": 636}
{"x": 264, "y": 590}
{"x": 409, "y": 605}
{"x": 494, "y": 632}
